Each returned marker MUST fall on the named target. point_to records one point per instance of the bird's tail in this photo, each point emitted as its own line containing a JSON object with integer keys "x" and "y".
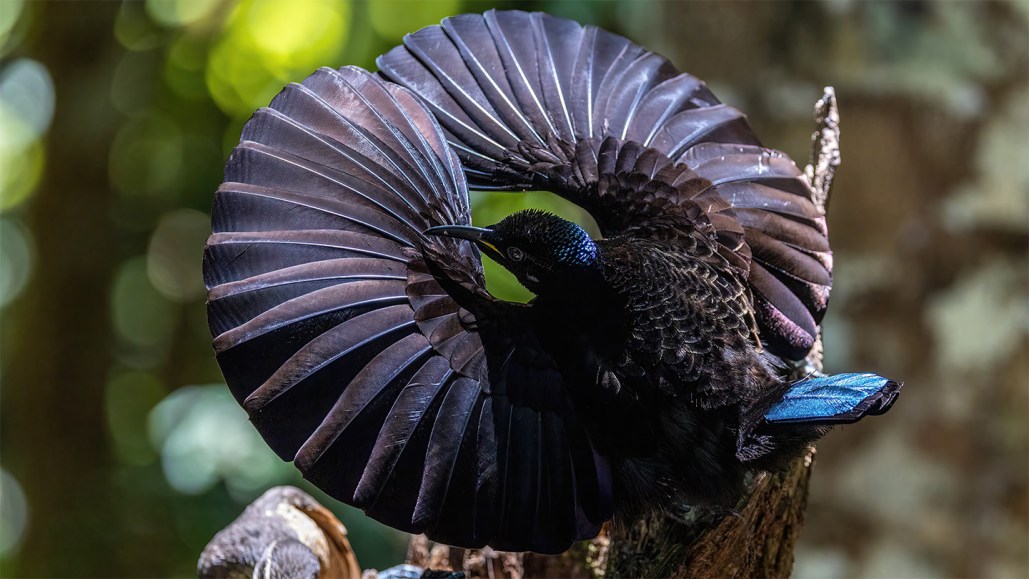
{"x": 808, "y": 409}
{"x": 836, "y": 399}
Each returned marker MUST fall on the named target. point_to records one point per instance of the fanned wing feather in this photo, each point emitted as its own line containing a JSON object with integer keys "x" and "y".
{"x": 350, "y": 356}
{"x": 371, "y": 382}
{"x": 327, "y": 348}
{"x": 407, "y": 414}
{"x": 534, "y": 101}
{"x": 453, "y": 420}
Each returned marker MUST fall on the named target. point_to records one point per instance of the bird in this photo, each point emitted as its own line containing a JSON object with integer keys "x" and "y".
{"x": 350, "y": 317}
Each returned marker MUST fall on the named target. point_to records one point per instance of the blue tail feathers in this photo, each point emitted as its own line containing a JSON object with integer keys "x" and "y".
{"x": 836, "y": 399}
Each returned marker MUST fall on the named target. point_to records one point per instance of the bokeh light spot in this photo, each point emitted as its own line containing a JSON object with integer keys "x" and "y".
{"x": 143, "y": 319}
{"x": 26, "y": 94}
{"x": 173, "y": 259}
{"x": 16, "y": 259}
{"x": 146, "y": 158}
{"x": 395, "y": 18}
{"x": 129, "y": 398}
{"x": 184, "y": 69}
{"x": 179, "y": 12}
{"x": 128, "y": 94}
{"x": 20, "y": 170}
{"x": 267, "y": 44}
{"x": 10, "y": 10}
{"x": 14, "y": 513}
{"x": 295, "y": 31}
{"x": 204, "y": 437}
{"x": 134, "y": 30}
{"x": 26, "y": 110}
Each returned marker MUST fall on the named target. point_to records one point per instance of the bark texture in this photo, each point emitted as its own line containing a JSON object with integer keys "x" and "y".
{"x": 284, "y": 533}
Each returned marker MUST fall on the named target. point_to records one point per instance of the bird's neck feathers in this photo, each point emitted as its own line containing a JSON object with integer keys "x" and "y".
{"x": 547, "y": 254}
{"x": 576, "y": 250}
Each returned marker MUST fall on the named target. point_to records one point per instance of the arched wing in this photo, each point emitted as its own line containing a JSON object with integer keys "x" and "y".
{"x": 335, "y": 334}
{"x": 509, "y": 80}
{"x": 533, "y": 101}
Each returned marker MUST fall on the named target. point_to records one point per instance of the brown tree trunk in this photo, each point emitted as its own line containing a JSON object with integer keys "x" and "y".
{"x": 58, "y": 363}
{"x": 757, "y": 541}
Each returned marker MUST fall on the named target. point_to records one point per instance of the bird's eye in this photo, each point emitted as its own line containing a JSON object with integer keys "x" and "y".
{"x": 515, "y": 254}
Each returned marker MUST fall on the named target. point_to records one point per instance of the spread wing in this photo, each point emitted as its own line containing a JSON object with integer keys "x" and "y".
{"x": 333, "y": 330}
{"x": 533, "y": 101}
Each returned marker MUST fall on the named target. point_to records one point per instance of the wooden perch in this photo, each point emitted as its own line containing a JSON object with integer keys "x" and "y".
{"x": 825, "y": 151}
{"x": 285, "y": 533}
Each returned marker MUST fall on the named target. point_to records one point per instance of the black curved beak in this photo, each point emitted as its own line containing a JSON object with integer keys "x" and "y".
{"x": 473, "y": 234}
{"x": 459, "y": 231}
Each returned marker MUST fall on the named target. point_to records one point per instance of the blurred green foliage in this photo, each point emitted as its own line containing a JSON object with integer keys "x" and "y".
{"x": 122, "y": 452}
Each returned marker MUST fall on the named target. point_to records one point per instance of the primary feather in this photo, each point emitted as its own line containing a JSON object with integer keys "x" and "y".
{"x": 351, "y": 320}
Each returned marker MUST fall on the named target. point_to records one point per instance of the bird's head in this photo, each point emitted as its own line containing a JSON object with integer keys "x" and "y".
{"x": 539, "y": 248}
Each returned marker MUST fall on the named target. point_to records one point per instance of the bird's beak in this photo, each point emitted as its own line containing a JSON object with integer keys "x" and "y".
{"x": 474, "y": 234}
{"x": 459, "y": 231}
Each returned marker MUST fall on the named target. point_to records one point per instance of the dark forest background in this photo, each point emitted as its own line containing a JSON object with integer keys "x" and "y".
{"x": 122, "y": 453}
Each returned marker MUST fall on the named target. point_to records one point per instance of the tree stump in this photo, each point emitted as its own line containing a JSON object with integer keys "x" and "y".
{"x": 285, "y": 533}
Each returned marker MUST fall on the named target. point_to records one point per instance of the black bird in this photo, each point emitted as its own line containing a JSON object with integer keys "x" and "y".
{"x": 351, "y": 318}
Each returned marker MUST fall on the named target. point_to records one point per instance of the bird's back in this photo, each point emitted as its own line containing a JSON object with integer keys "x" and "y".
{"x": 681, "y": 313}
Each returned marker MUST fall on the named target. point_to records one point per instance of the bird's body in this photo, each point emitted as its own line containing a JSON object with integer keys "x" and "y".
{"x": 660, "y": 362}
{"x": 656, "y": 346}
{"x": 351, "y": 318}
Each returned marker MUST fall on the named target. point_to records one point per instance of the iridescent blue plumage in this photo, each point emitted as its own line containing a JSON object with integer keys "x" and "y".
{"x": 576, "y": 248}
{"x": 835, "y": 399}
